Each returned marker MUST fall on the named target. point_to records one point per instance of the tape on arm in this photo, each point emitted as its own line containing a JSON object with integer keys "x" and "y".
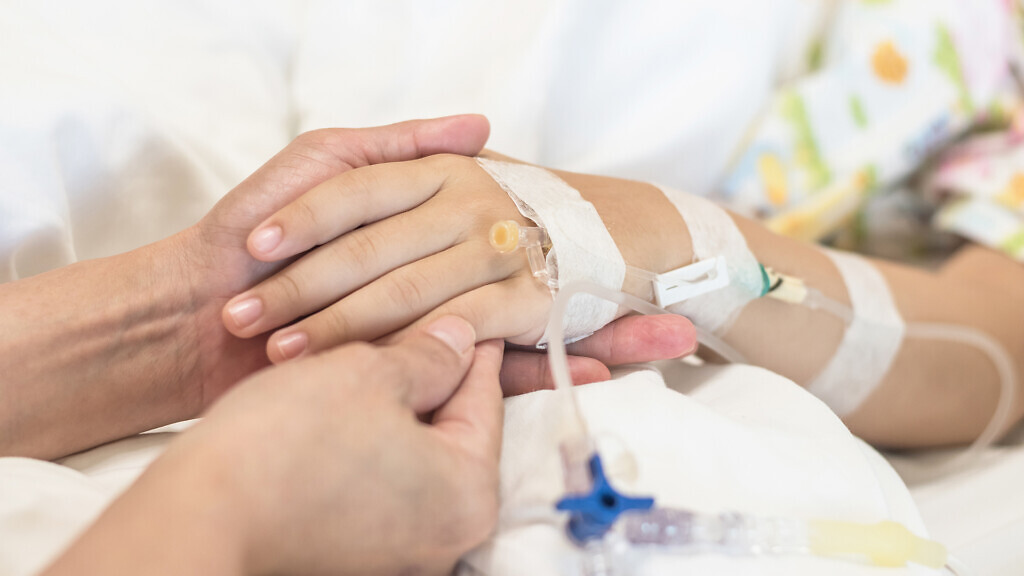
{"x": 871, "y": 341}
{"x": 713, "y": 234}
{"x": 581, "y": 247}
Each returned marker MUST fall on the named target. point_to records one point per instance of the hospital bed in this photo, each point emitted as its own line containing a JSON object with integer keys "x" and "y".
{"x": 978, "y": 513}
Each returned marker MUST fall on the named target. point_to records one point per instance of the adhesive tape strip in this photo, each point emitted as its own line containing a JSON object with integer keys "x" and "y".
{"x": 713, "y": 234}
{"x": 870, "y": 343}
{"x": 581, "y": 248}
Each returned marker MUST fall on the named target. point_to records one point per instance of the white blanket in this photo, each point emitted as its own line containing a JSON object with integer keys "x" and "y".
{"x": 744, "y": 439}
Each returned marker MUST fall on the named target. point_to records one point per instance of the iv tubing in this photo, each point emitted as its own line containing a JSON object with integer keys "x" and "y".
{"x": 1007, "y": 381}
{"x": 507, "y": 236}
{"x": 556, "y": 345}
{"x": 921, "y": 330}
{"x": 826, "y": 537}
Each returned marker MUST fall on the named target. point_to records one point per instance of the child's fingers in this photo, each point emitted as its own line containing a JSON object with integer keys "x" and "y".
{"x": 344, "y": 203}
{"x": 514, "y": 310}
{"x": 339, "y": 268}
{"x": 394, "y": 300}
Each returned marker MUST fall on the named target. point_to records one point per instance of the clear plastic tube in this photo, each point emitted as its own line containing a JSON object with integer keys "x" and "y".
{"x": 557, "y": 356}
{"x": 556, "y": 346}
{"x": 1000, "y": 419}
{"x": 730, "y": 533}
{"x": 719, "y": 346}
{"x": 883, "y": 543}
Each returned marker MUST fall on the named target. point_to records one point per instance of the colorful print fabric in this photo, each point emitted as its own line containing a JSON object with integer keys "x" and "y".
{"x": 888, "y": 88}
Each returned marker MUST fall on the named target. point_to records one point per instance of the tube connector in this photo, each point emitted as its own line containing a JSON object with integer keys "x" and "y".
{"x": 592, "y": 514}
{"x": 885, "y": 543}
{"x": 508, "y": 236}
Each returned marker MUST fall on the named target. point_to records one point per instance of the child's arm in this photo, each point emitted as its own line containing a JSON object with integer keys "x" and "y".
{"x": 405, "y": 243}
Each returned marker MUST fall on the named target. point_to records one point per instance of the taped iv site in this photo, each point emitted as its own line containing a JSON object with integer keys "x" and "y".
{"x": 603, "y": 522}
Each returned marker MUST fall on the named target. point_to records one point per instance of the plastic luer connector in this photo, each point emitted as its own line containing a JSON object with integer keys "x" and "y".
{"x": 594, "y": 513}
{"x": 508, "y": 236}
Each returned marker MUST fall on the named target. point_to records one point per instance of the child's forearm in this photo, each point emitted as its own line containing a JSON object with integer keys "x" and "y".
{"x": 933, "y": 392}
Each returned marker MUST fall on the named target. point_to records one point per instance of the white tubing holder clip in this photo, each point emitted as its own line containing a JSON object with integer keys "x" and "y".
{"x": 689, "y": 281}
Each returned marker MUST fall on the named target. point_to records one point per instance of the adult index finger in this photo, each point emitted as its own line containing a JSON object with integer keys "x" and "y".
{"x": 639, "y": 339}
{"x": 316, "y": 156}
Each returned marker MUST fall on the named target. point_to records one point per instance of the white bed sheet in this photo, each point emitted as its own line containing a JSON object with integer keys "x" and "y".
{"x": 743, "y": 439}
{"x": 977, "y": 513}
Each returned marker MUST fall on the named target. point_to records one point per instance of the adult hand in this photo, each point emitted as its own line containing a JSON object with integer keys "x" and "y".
{"x": 628, "y": 340}
{"x": 323, "y": 466}
{"x": 216, "y": 260}
{"x": 114, "y": 346}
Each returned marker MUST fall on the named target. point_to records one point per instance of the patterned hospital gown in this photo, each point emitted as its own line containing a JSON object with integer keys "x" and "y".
{"x": 901, "y": 133}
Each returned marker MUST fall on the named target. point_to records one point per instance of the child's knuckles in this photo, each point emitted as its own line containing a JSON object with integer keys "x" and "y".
{"x": 360, "y": 249}
{"x": 301, "y": 221}
{"x": 466, "y": 308}
{"x": 331, "y": 327}
{"x": 345, "y": 259}
{"x": 282, "y": 291}
{"x": 407, "y": 289}
{"x": 361, "y": 186}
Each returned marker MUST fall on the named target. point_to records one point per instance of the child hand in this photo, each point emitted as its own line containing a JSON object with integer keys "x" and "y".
{"x": 396, "y": 245}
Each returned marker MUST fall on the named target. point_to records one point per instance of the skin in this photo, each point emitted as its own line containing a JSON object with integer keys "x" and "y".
{"x": 377, "y": 460}
{"x": 411, "y": 237}
{"x": 134, "y": 341}
{"x": 111, "y": 347}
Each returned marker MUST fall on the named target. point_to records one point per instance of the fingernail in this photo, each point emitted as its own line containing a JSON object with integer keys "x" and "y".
{"x": 291, "y": 345}
{"x": 455, "y": 332}
{"x": 265, "y": 240}
{"x": 245, "y": 312}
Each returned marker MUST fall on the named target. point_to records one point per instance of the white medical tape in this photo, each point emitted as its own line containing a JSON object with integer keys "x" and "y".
{"x": 581, "y": 248}
{"x": 870, "y": 343}
{"x": 714, "y": 234}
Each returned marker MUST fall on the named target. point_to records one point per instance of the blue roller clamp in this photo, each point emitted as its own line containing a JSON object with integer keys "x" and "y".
{"x": 593, "y": 514}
